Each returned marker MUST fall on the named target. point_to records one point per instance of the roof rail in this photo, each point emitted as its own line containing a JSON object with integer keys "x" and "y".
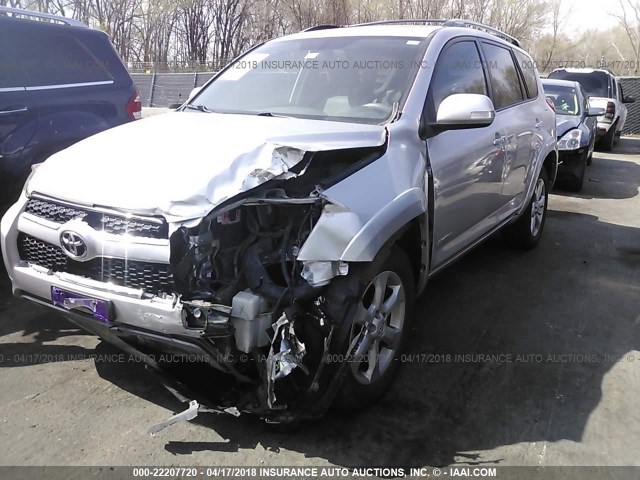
{"x": 320, "y": 27}
{"x": 484, "y": 28}
{"x": 448, "y": 23}
{"x": 426, "y": 21}
{"x": 17, "y": 12}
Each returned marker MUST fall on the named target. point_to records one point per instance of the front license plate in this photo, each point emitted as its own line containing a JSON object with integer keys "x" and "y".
{"x": 96, "y": 307}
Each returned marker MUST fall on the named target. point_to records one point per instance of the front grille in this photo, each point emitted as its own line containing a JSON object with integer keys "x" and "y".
{"x": 110, "y": 223}
{"x": 52, "y": 211}
{"x": 150, "y": 277}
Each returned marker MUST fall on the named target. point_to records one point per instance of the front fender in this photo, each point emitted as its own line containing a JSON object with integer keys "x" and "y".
{"x": 341, "y": 235}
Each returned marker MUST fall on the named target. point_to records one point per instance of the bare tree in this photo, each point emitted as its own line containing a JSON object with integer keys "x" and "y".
{"x": 629, "y": 19}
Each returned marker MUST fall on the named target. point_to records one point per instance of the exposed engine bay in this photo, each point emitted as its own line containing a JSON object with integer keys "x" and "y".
{"x": 266, "y": 319}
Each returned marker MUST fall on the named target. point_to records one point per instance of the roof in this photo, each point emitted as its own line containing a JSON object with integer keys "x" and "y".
{"x": 560, "y": 83}
{"x": 402, "y": 28}
{"x": 17, "y": 13}
{"x": 583, "y": 70}
{"x": 419, "y": 31}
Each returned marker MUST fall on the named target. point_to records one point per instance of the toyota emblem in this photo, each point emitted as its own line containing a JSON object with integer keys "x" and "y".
{"x": 73, "y": 245}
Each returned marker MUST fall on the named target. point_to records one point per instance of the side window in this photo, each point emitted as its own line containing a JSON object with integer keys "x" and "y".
{"x": 459, "y": 70}
{"x": 528, "y": 72}
{"x": 614, "y": 90}
{"x": 51, "y": 57}
{"x": 10, "y": 74}
{"x": 504, "y": 76}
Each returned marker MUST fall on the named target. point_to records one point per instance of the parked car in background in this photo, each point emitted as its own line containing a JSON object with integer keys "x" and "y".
{"x": 60, "y": 82}
{"x": 604, "y": 91}
{"x": 576, "y": 124}
{"x": 280, "y": 224}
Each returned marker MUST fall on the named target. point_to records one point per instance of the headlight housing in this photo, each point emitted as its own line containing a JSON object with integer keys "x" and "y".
{"x": 34, "y": 167}
{"x": 571, "y": 140}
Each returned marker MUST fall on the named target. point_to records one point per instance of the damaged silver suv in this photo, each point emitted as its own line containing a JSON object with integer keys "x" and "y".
{"x": 280, "y": 224}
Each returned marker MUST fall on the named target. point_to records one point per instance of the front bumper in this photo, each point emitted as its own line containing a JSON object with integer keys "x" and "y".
{"x": 571, "y": 161}
{"x": 131, "y": 307}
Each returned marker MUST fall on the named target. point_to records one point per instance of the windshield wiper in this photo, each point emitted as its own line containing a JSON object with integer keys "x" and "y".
{"x": 200, "y": 108}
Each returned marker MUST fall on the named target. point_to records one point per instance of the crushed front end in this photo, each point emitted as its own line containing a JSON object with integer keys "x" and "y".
{"x": 227, "y": 290}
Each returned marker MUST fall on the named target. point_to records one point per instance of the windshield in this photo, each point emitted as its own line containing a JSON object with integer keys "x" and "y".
{"x": 564, "y": 98}
{"x": 596, "y": 84}
{"x": 351, "y": 79}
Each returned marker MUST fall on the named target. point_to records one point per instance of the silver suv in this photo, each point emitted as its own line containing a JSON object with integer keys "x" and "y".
{"x": 279, "y": 225}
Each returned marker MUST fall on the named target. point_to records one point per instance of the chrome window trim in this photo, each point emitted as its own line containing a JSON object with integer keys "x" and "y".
{"x": 12, "y": 89}
{"x": 68, "y": 85}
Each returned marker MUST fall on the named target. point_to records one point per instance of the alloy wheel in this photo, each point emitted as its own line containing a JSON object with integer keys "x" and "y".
{"x": 381, "y": 311}
{"x": 538, "y": 207}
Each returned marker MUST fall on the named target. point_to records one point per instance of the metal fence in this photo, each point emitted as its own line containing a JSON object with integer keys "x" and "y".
{"x": 631, "y": 87}
{"x": 171, "y": 89}
{"x": 168, "y": 89}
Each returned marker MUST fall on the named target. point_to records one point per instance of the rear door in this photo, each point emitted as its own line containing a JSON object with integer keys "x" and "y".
{"x": 514, "y": 108}
{"x": 17, "y": 123}
{"x": 72, "y": 70}
{"x": 13, "y": 109}
{"x": 466, "y": 164}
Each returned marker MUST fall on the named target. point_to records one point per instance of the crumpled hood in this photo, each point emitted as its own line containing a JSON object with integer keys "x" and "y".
{"x": 564, "y": 123}
{"x": 183, "y": 164}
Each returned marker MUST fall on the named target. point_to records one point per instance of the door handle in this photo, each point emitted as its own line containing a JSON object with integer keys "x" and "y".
{"x": 13, "y": 111}
{"x": 499, "y": 140}
{"x": 538, "y": 123}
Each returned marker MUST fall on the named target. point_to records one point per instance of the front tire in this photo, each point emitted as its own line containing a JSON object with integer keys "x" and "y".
{"x": 575, "y": 183}
{"x": 384, "y": 310}
{"x": 526, "y": 231}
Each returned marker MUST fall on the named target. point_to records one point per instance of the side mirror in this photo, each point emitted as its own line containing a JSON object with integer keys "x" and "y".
{"x": 595, "y": 112}
{"x": 194, "y": 92}
{"x": 628, "y": 100}
{"x": 465, "y": 110}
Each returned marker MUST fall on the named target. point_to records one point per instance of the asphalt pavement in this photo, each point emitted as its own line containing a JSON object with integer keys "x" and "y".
{"x": 515, "y": 358}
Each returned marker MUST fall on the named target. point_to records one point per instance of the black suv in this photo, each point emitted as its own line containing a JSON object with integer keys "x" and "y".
{"x": 60, "y": 82}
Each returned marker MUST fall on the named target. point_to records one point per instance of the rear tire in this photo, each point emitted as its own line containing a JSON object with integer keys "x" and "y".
{"x": 385, "y": 307}
{"x": 607, "y": 142}
{"x": 526, "y": 231}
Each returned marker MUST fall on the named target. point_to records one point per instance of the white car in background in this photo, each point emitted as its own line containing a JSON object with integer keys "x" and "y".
{"x": 605, "y": 91}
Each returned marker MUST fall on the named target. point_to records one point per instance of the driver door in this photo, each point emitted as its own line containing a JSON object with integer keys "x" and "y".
{"x": 467, "y": 164}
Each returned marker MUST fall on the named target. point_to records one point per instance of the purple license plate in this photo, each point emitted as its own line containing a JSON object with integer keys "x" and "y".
{"x": 99, "y": 309}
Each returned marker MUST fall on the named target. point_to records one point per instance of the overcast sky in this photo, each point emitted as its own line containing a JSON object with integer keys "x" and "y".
{"x": 587, "y": 14}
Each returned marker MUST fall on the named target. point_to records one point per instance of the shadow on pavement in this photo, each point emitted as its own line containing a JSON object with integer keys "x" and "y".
{"x": 609, "y": 177}
{"x": 507, "y": 347}
{"x": 563, "y": 314}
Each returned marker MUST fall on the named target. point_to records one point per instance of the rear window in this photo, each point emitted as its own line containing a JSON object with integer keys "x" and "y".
{"x": 504, "y": 76}
{"x": 596, "y": 84}
{"x": 529, "y": 73}
{"x": 50, "y": 57}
